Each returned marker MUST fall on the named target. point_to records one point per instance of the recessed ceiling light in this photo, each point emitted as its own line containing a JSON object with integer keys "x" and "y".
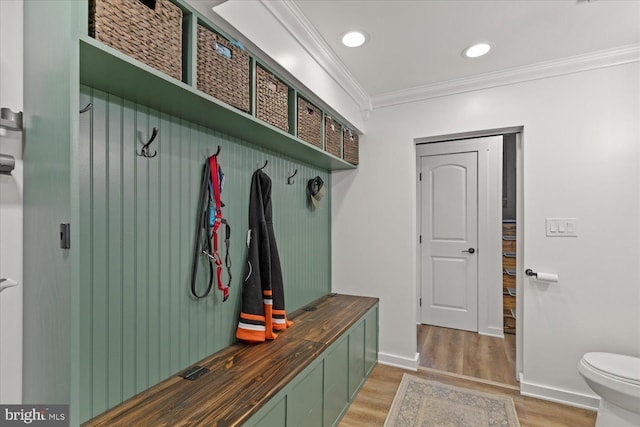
{"x": 476, "y": 50}
{"x": 353, "y": 38}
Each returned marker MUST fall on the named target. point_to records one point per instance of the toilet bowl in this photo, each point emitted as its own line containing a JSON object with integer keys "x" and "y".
{"x": 616, "y": 379}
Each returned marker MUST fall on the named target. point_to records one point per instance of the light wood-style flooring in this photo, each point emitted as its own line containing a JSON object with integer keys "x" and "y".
{"x": 456, "y": 357}
{"x": 468, "y": 353}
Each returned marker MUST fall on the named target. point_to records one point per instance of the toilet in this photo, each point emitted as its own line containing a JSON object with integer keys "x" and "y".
{"x": 616, "y": 379}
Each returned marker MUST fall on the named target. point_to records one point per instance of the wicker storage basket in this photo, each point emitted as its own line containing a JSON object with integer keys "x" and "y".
{"x": 272, "y": 99}
{"x": 350, "y": 146}
{"x": 152, "y": 36}
{"x": 332, "y": 136}
{"x": 309, "y": 123}
{"x": 223, "y": 69}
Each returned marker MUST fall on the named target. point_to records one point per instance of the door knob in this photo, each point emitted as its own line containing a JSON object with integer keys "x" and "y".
{"x": 470, "y": 250}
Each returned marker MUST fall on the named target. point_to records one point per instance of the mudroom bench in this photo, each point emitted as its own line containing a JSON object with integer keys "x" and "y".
{"x": 307, "y": 376}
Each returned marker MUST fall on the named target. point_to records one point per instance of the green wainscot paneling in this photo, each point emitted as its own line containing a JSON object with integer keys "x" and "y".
{"x": 371, "y": 340}
{"x": 336, "y": 382}
{"x": 356, "y": 358}
{"x": 138, "y": 321}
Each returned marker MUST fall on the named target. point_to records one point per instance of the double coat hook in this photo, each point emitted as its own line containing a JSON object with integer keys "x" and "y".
{"x": 145, "y": 147}
{"x": 290, "y": 179}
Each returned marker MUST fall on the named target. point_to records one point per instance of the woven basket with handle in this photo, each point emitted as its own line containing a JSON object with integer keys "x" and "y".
{"x": 223, "y": 69}
{"x": 309, "y": 123}
{"x": 272, "y": 99}
{"x": 147, "y": 30}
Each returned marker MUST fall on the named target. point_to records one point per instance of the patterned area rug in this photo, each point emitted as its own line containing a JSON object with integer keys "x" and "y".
{"x": 424, "y": 403}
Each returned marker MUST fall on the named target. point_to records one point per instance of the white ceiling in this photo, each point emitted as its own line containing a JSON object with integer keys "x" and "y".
{"x": 414, "y": 47}
{"x": 417, "y": 43}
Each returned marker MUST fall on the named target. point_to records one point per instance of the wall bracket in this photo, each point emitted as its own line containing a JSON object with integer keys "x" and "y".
{"x": 10, "y": 120}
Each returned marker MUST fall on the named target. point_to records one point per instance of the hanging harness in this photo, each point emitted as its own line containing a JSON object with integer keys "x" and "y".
{"x": 210, "y": 218}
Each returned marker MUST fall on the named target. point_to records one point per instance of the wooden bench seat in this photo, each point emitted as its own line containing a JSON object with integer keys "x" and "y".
{"x": 242, "y": 377}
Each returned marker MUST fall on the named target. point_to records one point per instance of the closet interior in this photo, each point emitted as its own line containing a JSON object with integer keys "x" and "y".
{"x": 509, "y": 234}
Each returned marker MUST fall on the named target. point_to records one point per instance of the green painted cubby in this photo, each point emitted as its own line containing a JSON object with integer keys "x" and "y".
{"x": 143, "y": 84}
{"x": 111, "y": 316}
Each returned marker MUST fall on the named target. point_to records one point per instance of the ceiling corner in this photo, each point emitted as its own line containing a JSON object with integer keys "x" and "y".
{"x": 578, "y": 63}
{"x": 289, "y": 15}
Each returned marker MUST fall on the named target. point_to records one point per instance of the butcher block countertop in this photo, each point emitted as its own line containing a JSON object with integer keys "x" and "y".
{"x": 242, "y": 377}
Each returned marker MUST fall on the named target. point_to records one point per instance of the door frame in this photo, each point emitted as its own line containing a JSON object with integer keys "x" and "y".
{"x": 458, "y": 141}
{"x": 490, "y": 318}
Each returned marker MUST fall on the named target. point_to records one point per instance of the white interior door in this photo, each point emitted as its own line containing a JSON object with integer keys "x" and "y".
{"x": 449, "y": 236}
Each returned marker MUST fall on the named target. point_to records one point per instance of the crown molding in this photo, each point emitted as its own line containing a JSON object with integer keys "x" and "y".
{"x": 574, "y": 64}
{"x": 301, "y": 29}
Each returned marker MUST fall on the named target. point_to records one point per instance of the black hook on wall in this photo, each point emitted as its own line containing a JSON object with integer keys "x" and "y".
{"x": 264, "y": 166}
{"x": 217, "y": 152}
{"x": 87, "y": 108}
{"x": 290, "y": 179}
{"x": 145, "y": 147}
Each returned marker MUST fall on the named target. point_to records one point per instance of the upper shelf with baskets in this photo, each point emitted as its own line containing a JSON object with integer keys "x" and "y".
{"x": 259, "y": 108}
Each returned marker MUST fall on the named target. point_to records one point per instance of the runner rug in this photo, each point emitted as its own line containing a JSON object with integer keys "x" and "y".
{"x": 424, "y": 403}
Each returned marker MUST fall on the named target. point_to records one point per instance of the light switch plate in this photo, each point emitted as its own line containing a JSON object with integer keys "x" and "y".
{"x": 561, "y": 227}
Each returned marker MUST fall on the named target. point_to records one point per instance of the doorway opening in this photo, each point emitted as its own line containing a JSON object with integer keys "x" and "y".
{"x": 509, "y": 234}
{"x": 469, "y": 212}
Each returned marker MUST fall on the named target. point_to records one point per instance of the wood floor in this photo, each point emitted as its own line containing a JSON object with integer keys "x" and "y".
{"x": 454, "y": 357}
{"x": 468, "y": 353}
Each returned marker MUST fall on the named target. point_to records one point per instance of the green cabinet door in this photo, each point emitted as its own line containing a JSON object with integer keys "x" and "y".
{"x": 356, "y": 358}
{"x": 304, "y": 400}
{"x": 336, "y": 382}
{"x": 370, "y": 340}
{"x": 276, "y": 417}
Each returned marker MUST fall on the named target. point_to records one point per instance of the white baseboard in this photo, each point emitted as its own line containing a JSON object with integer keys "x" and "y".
{"x": 565, "y": 397}
{"x": 399, "y": 361}
{"x": 493, "y": 332}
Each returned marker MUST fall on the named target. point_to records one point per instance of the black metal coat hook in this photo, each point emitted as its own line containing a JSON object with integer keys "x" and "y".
{"x": 87, "y": 108}
{"x": 217, "y": 152}
{"x": 265, "y": 165}
{"x": 145, "y": 148}
{"x": 290, "y": 179}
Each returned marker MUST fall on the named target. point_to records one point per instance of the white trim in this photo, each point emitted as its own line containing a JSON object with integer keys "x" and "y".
{"x": 399, "y": 361}
{"x": 520, "y": 219}
{"x": 557, "y": 395}
{"x": 468, "y": 135}
{"x": 573, "y": 64}
{"x": 302, "y": 30}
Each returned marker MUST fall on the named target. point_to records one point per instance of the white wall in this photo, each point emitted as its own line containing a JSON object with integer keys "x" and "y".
{"x": 581, "y": 146}
{"x": 11, "y": 206}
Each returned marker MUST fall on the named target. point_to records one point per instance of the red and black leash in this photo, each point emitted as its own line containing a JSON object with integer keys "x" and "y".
{"x": 209, "y": 219}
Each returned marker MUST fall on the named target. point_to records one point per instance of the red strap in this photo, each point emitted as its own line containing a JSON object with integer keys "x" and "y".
{"x": 215, "y": 181}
